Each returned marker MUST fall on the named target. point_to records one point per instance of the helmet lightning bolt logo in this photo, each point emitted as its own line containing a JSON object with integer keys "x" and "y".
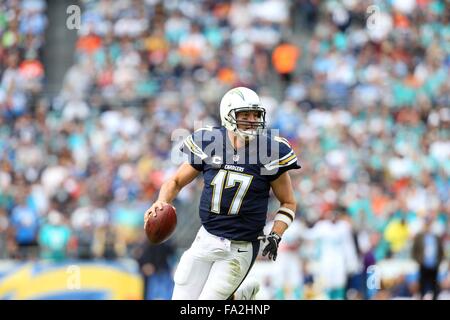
{"x": 238, "y": 92}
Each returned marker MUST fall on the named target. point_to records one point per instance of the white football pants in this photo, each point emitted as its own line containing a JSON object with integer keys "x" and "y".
{"x": 213, "y": 267}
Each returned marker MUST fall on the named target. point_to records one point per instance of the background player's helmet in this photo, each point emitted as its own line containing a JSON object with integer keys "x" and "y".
{"x": 237, "y": 100}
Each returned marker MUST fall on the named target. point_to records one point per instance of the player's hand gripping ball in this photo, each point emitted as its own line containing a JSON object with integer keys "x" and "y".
{"x": 160, "y": 222}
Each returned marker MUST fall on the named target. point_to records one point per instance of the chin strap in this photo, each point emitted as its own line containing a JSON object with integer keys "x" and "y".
{"x": 243, "y": 136}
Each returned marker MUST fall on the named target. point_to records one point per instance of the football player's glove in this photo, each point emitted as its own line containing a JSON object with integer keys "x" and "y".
{"x": 271, "y": 248}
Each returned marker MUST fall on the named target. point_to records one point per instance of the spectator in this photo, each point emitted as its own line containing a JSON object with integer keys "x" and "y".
{"x": 154, "y": 262}
{"x": 284, "y": 59}
{"x": 287, "y": 269}
{"x": 428, "y": 252}
{"x": 25, "y": 222}
{"x": 4, "y": 235}
{"x": 108, "y": 244}
{"x": 337, "y": 254}
{"x": 84, "y": 241}
{"x": 397, "y": 235}
{"x": 54, "y": 238}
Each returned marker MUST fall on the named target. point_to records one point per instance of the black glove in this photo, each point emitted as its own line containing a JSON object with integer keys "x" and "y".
{"x": 272, "y": 245}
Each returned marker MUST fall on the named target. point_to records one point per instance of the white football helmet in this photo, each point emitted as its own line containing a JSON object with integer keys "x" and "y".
{"x": 237, "y": 100}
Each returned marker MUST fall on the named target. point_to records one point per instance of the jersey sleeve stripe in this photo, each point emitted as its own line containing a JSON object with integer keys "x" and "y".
{"x": 282, "y": 140}
{"x": 287, "y": 156}
{"x": 277, "y": 165}
{"x": 288, "y": 159}
{"x": 194, "y": 148}
{"x": 294, "y": 159}
{"x": 277, "y": 161}
{"x": 194, "y": 145}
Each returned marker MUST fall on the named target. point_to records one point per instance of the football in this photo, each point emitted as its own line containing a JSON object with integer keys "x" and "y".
{"x": 158, "y": 229}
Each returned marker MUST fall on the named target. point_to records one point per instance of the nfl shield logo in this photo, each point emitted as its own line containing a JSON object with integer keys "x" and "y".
{"x": 235, "y": 157}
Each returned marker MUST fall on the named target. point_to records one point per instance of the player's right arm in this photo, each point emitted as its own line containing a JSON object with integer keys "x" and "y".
{"x": 193, "y": 147}
{"x": 185, "y": 174}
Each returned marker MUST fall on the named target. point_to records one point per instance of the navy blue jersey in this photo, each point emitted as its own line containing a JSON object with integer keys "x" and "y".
{"x": 236, "y": 189}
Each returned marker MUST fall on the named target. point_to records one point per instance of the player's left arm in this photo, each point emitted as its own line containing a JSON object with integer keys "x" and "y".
{"x": 283, "y": 191}
{"x": 282, "y": 188}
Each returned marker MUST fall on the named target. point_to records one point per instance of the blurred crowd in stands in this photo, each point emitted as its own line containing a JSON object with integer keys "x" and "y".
{"x": 362, "y": 96}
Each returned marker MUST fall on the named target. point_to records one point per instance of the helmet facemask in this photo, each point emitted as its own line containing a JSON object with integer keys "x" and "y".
{"x": 257, "y": 127}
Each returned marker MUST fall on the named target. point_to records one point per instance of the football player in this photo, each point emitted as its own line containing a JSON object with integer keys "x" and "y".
{"x": 241, "y": 162}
